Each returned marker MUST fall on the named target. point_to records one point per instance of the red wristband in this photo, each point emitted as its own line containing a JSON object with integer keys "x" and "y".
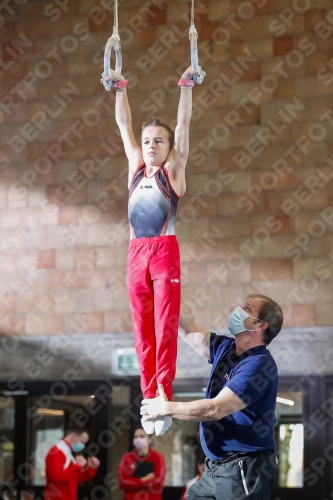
{"x": 120, "y": 84}
{"x": 186, "y": 82}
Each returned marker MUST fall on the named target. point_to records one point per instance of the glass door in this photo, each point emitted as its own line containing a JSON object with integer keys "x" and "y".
{"x": 43, "y": 417}
{"x": 47, "y": 426}
{"x": 289, "y": 438}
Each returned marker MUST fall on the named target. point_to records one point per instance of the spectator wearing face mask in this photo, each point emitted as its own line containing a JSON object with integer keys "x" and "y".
{"x": 141, "y": 472}
{"x": 64, "y": 472}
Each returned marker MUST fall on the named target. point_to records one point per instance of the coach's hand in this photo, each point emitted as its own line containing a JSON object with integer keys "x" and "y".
{"x": 155, "y": 408}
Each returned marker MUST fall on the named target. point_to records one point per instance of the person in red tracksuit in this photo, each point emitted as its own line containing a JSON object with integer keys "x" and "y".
{"x": 141, "y": 472}
{"x": 156, "y": 182}
{"x": 63, "y": 472}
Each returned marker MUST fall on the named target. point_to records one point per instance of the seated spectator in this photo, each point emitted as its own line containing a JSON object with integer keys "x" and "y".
{"x": 141, "y": 472}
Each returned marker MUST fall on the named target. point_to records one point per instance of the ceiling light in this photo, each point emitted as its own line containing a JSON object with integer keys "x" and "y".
{"x": 48, "y": 411}
{"x": 285, "y": 401}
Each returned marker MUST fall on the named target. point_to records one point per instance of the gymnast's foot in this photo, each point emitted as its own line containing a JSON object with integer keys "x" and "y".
{"x": 162, "y": 425}
{"x": 148, "y": 427}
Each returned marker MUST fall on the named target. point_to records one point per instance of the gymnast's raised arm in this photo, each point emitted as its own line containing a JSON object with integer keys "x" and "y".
{"x": 124, "y": 122}
{"x": 196, "y": 336}
{"x": 177, "y": 158}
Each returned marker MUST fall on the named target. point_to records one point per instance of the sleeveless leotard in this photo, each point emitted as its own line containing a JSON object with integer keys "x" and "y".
{"x": 152, "y": 204}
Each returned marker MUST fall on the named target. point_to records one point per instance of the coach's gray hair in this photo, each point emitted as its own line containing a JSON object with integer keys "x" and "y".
{"x": 271, "y": 313}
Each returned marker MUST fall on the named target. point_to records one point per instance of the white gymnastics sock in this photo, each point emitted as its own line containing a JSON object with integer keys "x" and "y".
{"x": 162, "y": 425}
{"x": 148, "y": 427}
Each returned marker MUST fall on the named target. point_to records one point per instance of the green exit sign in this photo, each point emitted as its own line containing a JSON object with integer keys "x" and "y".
{"x": 127, "y": 362}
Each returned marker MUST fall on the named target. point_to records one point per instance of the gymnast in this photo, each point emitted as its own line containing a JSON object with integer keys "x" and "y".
{"x": 156, "y": 182}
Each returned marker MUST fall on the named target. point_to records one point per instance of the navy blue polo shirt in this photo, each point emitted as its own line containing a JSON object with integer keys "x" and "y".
{"x": 253, "y": 377}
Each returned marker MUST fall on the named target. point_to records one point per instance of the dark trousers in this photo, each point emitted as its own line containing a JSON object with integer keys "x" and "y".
{"x": 242, "y": 476}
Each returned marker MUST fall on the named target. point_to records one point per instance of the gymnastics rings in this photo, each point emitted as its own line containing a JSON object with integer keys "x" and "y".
{"x": 113, "y": 43}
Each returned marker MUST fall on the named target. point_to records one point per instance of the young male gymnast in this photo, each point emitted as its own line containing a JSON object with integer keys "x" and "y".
{"x": 156, "y": 182}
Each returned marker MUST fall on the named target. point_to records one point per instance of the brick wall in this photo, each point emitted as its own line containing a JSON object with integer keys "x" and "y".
{"x": 257, "y": 216}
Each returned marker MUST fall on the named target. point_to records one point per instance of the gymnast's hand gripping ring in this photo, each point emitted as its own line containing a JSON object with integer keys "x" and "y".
{"x": 112, "y": 43}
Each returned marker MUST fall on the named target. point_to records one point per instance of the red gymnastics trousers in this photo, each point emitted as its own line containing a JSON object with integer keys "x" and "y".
{"x": 153, "y": 282}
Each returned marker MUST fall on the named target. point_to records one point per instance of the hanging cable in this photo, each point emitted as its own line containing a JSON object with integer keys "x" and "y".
{"x": 116, "y": 14}
{"x": 193, "y": 36}
{"x": 112, "y": 43}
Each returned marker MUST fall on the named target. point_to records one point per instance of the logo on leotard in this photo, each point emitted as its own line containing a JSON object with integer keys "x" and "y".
{"x": 146, "y": 187}
{"x": 174, "y": 281}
